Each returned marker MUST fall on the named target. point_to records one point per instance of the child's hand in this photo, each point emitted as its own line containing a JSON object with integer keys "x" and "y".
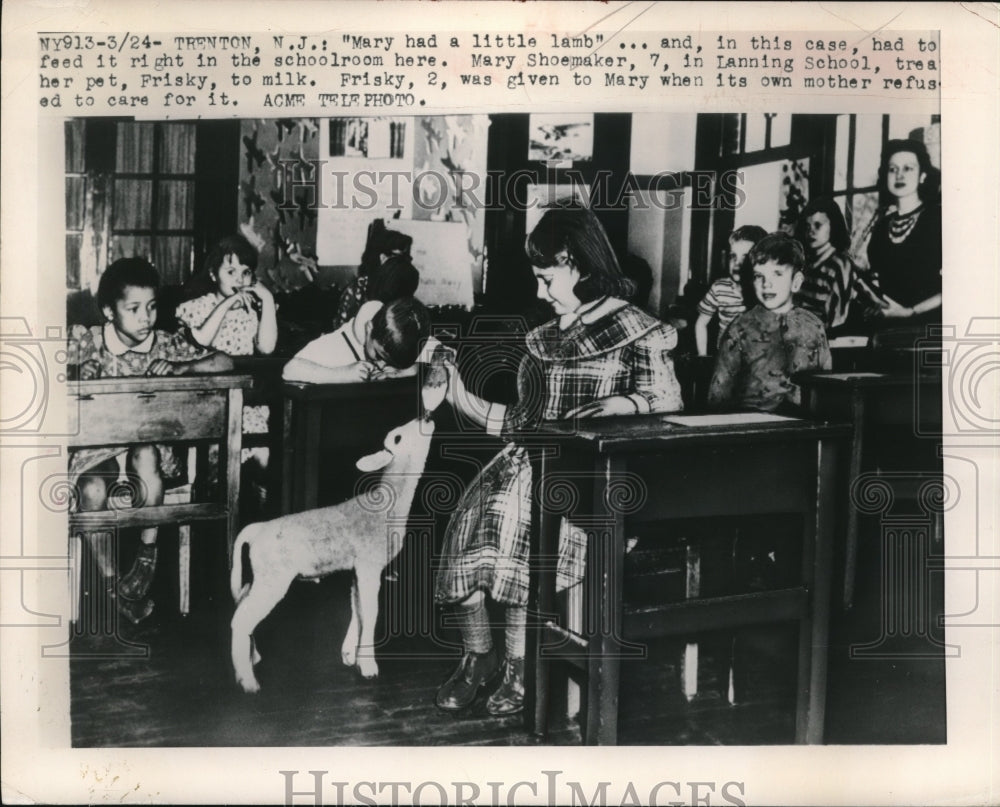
{"x": 605, "y": 407}
{"x": 90, "y": 369}
{"x": 263, "y": 292}
{"x": 246, "y": 299}
{"x": 362, "y": 371}
{"x": 893, "y": 310}
{"x": 161, "y": 367}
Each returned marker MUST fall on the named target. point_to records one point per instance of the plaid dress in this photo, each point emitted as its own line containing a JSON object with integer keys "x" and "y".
{"x": 613, "y": 349}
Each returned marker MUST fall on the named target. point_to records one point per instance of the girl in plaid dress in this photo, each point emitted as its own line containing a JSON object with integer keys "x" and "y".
{"x": 600, "y": 356}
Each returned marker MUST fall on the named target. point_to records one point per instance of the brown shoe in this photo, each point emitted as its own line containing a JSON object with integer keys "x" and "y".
{"x": 473, "y": 671}
{"x": 509, "y": 696}
{"x": 135, "y": 585}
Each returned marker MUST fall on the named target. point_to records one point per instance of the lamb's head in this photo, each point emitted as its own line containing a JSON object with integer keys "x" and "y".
{"x": 404, "y": 450}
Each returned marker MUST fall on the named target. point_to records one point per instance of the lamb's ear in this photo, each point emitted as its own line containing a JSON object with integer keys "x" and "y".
{"x": 374, "y": 462}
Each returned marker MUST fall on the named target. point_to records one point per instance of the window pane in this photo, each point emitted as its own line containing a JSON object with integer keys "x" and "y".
{"x": 860, "y": 214}
{"x": 133, "y": 204}
{"x": 867, "y": 150}
{"x": 177, "y": 148}
{"x": 76, "y": 130}
{"x": 756, "y": 127}
{"x": 173, "y": 258}
{"x": 840, "y": 153}
{"x": 130, "y": 246}
{"x": 781, "y": 130}
{"x": 73, "y": 243}
{"x": 76, "y": 202}
{"x": 175, "y": 205}
{"x": 134, "y": 151}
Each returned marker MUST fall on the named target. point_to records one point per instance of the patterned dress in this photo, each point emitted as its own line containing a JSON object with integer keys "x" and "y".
{"x": 831, "y": 285}
{"x": 613, "y": 349}
{"x": 102, "y": 344}
{"x": 236, "y": 337}
{"x": 761, "y": 352}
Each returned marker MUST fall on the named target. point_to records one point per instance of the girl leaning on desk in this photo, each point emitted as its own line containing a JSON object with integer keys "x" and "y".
{"x": 599, "y": 356}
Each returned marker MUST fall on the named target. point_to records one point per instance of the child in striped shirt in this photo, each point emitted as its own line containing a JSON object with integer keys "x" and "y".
{"x": 725, "y": 295}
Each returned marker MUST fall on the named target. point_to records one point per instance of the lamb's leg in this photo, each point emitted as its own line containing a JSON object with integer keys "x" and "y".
{"x": 349, "y": 649}
{"x": 257, "y": 604}
{"x": 369, "y": 582}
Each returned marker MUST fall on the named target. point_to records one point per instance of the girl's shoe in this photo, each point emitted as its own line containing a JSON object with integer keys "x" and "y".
{"x": 473, "y": 671}
{"x": 135, "y": 585}
{"x": 509, "y": 696}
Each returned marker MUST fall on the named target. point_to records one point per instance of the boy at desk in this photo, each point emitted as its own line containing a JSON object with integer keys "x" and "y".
{"x": 383, "y": 340}
{"x": 764, "y": 347}
{"x": 128, "y": 345}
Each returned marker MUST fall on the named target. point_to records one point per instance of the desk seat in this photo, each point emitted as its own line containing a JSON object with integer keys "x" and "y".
{"x": 664, "y": 467}
{"x": 199, "y": 409}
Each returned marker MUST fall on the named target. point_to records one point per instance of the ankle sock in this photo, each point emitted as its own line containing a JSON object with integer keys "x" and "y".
{"x": 474, "y": 623}
{"x": 515, "y": 630}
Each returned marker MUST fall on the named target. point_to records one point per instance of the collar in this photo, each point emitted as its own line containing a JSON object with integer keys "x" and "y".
{"x": 116, "y": 347}
{"x": 823, "y": 254}
{"x": 597, "y": 309}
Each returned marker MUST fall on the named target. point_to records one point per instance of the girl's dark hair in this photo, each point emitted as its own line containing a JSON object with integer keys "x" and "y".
{"x": 381, "y": 241}
{"x": 747, "y": 232}
{"x": 400, "y": 328}
{"x": 578, "y": 232}
{"x": 395, "y": 278}
{"x": 926, "y": 189}
{"x": 839, "y": 237}
{"x": 781, "y": 248}
{"x": 125, "y": 272}
{"x": 235, "y": 244}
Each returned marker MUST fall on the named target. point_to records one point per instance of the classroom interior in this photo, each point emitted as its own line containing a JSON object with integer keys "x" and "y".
{"x": 468, "y": 188}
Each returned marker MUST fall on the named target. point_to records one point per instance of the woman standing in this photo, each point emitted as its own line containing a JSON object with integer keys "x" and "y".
{"x": 905, "y": 247}
{"x": 599, "y": 356}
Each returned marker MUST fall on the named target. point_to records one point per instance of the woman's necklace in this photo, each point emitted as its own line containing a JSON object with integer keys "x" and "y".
{"x": 900, "y": 226}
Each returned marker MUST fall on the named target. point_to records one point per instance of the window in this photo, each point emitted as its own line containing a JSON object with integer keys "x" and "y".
{"x": 130, "y": 191}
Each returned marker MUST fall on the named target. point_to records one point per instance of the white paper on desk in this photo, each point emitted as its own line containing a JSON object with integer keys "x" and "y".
{"x": 849, "y": 341}
{"x": 848, "y": 376}
{"x": 730, "y": 419}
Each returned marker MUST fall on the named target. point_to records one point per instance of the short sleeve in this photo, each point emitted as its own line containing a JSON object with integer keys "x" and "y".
{"x": 193, "y": 313}
{"x": 80, "y": 346}
{"x": 709, "y": 303}
{"x": 177, "y": 347}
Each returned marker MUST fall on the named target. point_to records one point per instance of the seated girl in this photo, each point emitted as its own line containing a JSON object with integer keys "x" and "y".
{"x": 129, "y": 345}
{"x": 599, "y": 356}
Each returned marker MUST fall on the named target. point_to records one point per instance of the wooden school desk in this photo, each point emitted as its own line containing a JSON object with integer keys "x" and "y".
{"x": 690, "y": 467}
{"x": 162, "y": 409}
{"x": 908, "y": 403}
{"x": 352, "y": 418}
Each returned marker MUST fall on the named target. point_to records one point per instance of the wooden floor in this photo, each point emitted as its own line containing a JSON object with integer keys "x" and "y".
{"x": 173, "y": 686}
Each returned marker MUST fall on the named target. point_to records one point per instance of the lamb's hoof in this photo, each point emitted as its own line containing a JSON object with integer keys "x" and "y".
{"x": 348, "y": 657}
{"x": 249, "y": 685}
{"x": 368, "y": 668}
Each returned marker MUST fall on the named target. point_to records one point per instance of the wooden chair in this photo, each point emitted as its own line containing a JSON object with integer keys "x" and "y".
{"x": 175, "y": 409}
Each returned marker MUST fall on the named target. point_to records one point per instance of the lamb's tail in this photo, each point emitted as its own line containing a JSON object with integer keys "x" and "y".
{"x": 236, "y": 585}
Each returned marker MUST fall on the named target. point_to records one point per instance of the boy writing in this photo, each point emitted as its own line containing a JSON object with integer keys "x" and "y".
{"x": 725, "y": 296}
{"x": 382, "y": 340}
{"x": 129, "y": 345}
{"x": 767, "y": 345}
